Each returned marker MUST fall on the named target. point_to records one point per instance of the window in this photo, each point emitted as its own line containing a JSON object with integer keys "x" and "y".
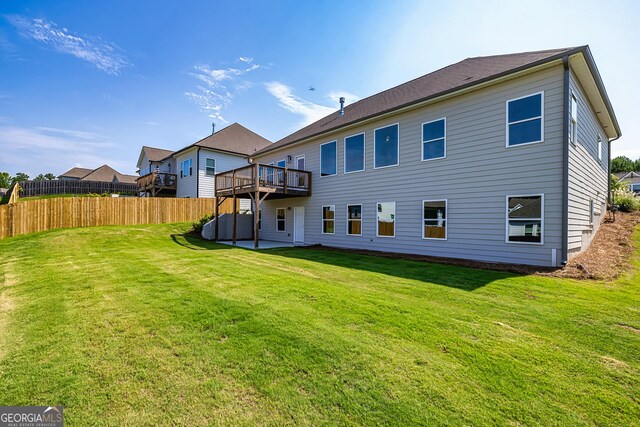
{"x": 525, "y": 219}
{"x": 573, "y": 124}
{"x": 635, "y": 188}
{"x": 354, "y": 220}
{"x": 524, "y": 120}
{"x": 186, "y": 168}
{"x": 386, "y": 219}
{"x": 328, "y": 219}
{"x": 354, "y": 153}
{"x": 300, "y": 162}
{"x": 259, "y": 219}
{"x": 210, "y": 167}
{"x": 434, "y": 216}
{"x": 328, "y": 158}
{"x": 592, "y": 211}
{"x": 280, "y": 172}
{"x": 434, "y": 140}
{"x": 385, "y": 151}
{"x": 280, "y": 219}
{"x": 282, "y": 164}
{"x": 599, "y": 147}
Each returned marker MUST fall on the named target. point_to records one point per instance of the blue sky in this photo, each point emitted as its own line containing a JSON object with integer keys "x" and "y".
{"x": 87, "y": 83}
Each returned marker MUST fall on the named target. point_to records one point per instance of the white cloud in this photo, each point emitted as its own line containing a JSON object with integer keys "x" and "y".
{"x": 45, "y": 149}
{"x": 103, "y": 55}
{"x": 219, "y": 86}
{"x": 335, "y": 96}
{"x": 309, "y": 111}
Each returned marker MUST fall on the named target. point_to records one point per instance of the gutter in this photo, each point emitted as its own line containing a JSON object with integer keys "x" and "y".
{"x": 565, "y": 162}
{"x": 198, "y": 173}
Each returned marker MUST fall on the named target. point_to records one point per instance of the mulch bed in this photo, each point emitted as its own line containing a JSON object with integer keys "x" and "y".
{"x": 608, "y": 255}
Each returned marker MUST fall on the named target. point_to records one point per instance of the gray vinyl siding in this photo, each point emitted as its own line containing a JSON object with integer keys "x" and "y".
{"x": 475, "y": 177}
{"x": 224, "y": 162}
{"x": 187, "y": 184}
{"x": 587, "y": 174}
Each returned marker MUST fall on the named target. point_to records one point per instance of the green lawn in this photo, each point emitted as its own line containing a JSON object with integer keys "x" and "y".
{"x": 143, "y": 326}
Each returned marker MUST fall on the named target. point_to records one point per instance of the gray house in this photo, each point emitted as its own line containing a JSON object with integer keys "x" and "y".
{"x": 630, "y": 179}
{"x": 498, "y": 159}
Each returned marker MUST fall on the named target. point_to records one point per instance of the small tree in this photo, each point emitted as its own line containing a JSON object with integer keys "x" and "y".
{"x": 5, "y": 180}
{"x": 39, "y": 178}
{"x": 622, "y": 164}
{"x": 49, "y": 176}
{"x": 637, "y": 165}
{"x": 616, "y": 184}
{"x": 20, "y": 176}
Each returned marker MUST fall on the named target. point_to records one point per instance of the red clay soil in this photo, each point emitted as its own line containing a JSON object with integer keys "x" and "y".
{"x": 607, "y": 257}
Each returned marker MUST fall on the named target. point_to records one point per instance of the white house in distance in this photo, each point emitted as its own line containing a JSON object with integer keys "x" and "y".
{"x": 190, "y": 171}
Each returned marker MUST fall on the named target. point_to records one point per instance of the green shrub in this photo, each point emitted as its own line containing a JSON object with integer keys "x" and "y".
{"x": 626, "y": 201}
{"x": 198, "y": 225}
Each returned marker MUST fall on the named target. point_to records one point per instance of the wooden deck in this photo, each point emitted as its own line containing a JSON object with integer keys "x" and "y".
{"x": 158, "y": 184}
{"x": 272, "y": 181}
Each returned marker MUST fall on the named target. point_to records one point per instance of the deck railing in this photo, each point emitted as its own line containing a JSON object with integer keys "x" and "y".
{"x": 157, "y": 179}
{"x": 259, "y": 177}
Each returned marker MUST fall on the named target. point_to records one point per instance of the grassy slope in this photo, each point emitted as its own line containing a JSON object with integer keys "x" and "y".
{"x": 140, "y": 325}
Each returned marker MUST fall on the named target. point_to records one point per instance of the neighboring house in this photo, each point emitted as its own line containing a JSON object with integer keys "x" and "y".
{"x": 198, "y": 163}
{"x": 3, "y": 191}
{"x": 499, "y": 159}
{"x": 630, "y": 179}
{"x": 104, "y": 173}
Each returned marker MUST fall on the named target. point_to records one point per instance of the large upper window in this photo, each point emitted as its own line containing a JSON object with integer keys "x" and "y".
{"x": 186, "y": 168}
{"x": 434, "y": 139}
{"x": 354, "y": 220}
{"x": 210, "y": 167}
{"x": 328, "y": 219}
{"x": 385, "y": 152}
{"x": 281, "y": 219}
{"x": 354, "y": 153}
{"x": 573, "y": 122}
{"x": 434, "y": 216}
{"x": 328, "y": 158}
{"x": 524, "y": 120}
{"x": 525, "y": 219}
{"x": 386, "y": 219}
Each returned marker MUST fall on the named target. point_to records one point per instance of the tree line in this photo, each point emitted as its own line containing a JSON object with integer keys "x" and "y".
{"x": 6, "y": 180}
{"x": 624, "y": 164}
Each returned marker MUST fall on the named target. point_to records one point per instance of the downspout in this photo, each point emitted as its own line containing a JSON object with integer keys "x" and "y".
{"x": 198, "y": 173}
{"x": 565, "y": 163}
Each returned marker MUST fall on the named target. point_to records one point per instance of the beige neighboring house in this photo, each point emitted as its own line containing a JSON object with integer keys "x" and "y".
{"x": 104, "y": 173}
{"x": 630, "y": 179}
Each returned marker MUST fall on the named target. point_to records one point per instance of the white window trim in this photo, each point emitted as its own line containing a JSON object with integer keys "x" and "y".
{"x": 395, "y": 219}
{"x": 541, "y": 117}
{"x": 430, "y": 140}
{"x": 599, "y": 141}
{"x": 446, "y": 220}
{"x": 573, "y": 100}
{"x": 361, "y": 212}
{"x": 323, "y": 220}
{"x": 326, "y": 143}
{"x": 374, "y": 147}
{"x": 284, "y": 219}
{"x": 364, "y": 153}
{"x": 296, "y": 158}
{"x": 206, "y": 167}
{"x": 506, "y": 236}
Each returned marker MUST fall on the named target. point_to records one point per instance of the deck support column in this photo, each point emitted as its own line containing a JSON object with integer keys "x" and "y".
{"x": 235, "y": 208}
{"x": 217, "y": 213}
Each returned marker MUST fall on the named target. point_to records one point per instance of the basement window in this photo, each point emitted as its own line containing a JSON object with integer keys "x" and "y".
{"x": 434, "y": 216}
{"x": 354, "y": 220}
{"x": 525, "y": 219}
{"x": 525, "y": 120}
{"x": 386, "y": 219}
{"x": 328, "y": 219}
{"x": 281, "y": 219}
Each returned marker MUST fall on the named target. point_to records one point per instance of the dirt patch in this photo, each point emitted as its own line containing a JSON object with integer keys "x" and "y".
{"x": 629, "y": 328}
{"x": 7, "y": 305}
{"x": 608, "y": 255}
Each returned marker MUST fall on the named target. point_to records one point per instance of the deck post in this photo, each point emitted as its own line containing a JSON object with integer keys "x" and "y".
{"x": 256, "y": 217}
{"x": 215, "y": 226}
{"x": 235, "y": 207}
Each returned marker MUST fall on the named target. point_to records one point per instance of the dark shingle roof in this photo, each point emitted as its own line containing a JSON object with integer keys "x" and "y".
{"x": 106, "y": 173}
{"x": 156, "y": 154}
{"x": 76, "y": 173}
{"x": 468, "y": 72}
{"x": 235, "y": 139}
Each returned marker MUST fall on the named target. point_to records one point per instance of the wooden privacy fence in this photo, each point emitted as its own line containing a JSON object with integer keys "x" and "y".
{"x": 47, "y": 214}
